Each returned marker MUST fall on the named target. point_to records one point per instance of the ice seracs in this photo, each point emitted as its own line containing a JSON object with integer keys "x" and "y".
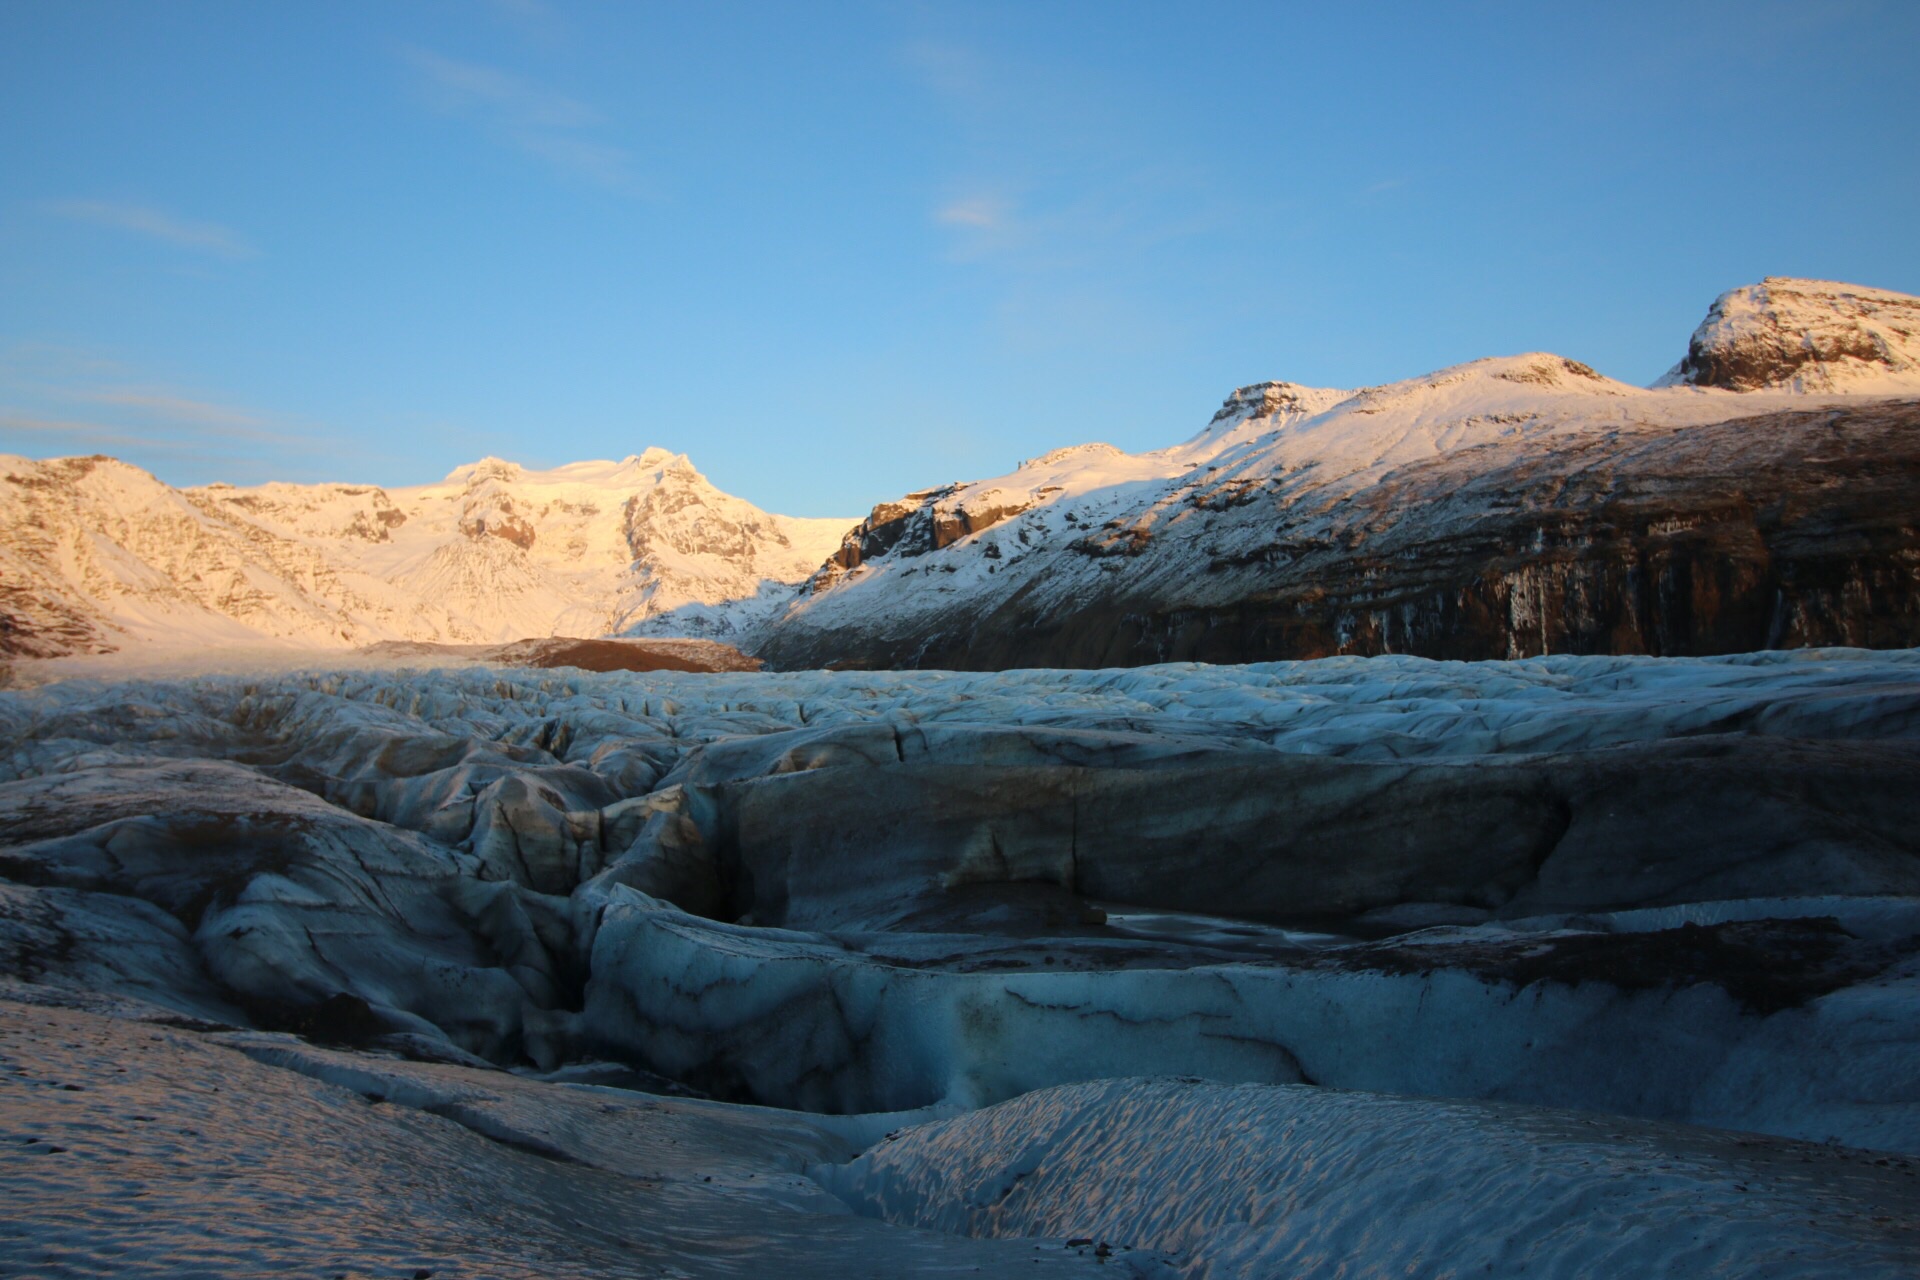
{"x": 854, "y": 892}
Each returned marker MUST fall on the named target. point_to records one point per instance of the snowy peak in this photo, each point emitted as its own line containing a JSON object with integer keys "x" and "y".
{"x": 1494, "y": 383}
{"x": 1806, "y": 336}
{"x": 488, "y": 468}
{"x": 95, "y": 553}
{"x": 1254, "y": 411}
{"x": 1265, "y": 399}
{"x": 595, "y": 472}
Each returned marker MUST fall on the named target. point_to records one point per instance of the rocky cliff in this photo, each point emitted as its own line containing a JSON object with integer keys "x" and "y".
{"x": 1763, "y": 495}
{"x": 1805, "y": 335}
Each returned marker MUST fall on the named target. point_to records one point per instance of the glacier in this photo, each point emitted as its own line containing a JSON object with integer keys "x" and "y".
{"x": 1326, "y": 968}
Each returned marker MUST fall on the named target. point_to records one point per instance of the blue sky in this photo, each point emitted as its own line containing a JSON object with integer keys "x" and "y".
{"x": 838, "y": 251}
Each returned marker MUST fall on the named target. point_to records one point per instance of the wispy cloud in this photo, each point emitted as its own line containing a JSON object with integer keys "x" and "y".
{"x": 267, "y": 449}
{"x": 559, "y": 130}
{"x": 1048, "y": 175}
{"x": 205, "y": 415}
{"x": 155, "y": 224}
{"x": 73, "y": 433}
{"x": 530, "y": 16}
{"x": 469, "y": 88}
{"x": 522, "y": 10}
{"x": 608, "y": 166}
{"x": 56, "y": 398}
{"x": 48, "y": 362}
{"x": 953, "y": 72}
{"x": 980, "y": 212}
{"x": 1047, "y": 231}
{"x": 170, "y": 453}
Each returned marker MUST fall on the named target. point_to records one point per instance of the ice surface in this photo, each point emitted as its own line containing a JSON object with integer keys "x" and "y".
{"x": 1278, "y": 1181}
{"x": 854, "y": 1023}
{"x": 1685, "y": 891}
{"x": 137, "y": 1149}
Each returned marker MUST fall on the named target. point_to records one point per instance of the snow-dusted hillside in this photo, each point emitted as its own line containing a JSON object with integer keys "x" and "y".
{"x": 97, "y": 554}
{"x": 1761, "y": 495}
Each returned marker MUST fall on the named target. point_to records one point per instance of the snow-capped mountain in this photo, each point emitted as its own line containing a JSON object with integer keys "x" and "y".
{"x": 1808, "y": 336}
{"x": 1761, "y": 495}
{"x": 95, "y": 554}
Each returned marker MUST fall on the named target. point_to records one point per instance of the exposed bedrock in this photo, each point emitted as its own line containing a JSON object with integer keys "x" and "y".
{"x": 1804, "y": 334}
{"x": 1779, "y": 531}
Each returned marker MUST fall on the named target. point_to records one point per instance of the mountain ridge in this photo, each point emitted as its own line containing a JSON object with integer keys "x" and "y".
{"x": 98, "y": 553}
{"x": 1268, "y": 534}
{"x": 1756, "y": 495}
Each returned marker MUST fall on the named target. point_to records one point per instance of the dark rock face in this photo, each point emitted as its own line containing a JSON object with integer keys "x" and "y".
{"x": 906, "y": 525}
{"x": 1781, "y": 531}
{"x": 680, "y": 516}
{"x": 33, "y": 627}
{"x": 1259, "y": 400}
{"x": 500, "y": 521}
{"x": 920, "y": 522}
{"x": 379, "y": 524}
{"x": 1773, "y": 359}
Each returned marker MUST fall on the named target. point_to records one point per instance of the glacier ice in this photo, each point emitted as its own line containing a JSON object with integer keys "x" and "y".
{"x": 1434, "y": 904}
